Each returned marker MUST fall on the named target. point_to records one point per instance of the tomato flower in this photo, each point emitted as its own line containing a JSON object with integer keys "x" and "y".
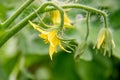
{"x": 49, "y": 37}
{"x": 55, "y": 16}
{"x": 105, "y": 41}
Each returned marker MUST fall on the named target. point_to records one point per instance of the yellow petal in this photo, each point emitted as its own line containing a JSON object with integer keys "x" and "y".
{"x": 66, "y": 19}
{"x": 37, "y": 27}
{"x": 100, "y": 40}
{"x": 45, "y": 37}
{"x": 52, "y": 36}
{"x": 56, "y": 19}
{"x": 55, "y": 41}
{"x": 51, "y": 51}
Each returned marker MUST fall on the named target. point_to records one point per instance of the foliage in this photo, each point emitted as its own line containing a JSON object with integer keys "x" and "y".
{"x": 25, "y": 56}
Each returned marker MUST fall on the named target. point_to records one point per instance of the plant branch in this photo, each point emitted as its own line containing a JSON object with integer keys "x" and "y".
{"x": 24, "y": 22}
{"x": 6, "y": 23}
{"x": 87, "y": 8}
{"x": 41, "y": 10}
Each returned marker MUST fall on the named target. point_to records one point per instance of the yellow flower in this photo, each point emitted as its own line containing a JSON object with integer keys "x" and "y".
{"x": 105, "y": 38}
{"x": 55, "y": 15}
{"x": 101, "y": 39}
{"x": 49, "y": 37}
{"x": 105, "y": 41}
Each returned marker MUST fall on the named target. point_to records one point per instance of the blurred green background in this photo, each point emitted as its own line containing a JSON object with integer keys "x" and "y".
{"x": 25, "y": 56}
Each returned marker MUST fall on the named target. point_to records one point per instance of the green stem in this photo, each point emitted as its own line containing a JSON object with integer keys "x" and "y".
{"x": 16, "y": 14}
{"x": 87, "y": 8}
{"x": 15, "y": 29}
{"x": 41, "y": 22}
{"x": 60, "y": 10}
{"x": 24, "y": 22}
{"x": 57, "y": 7}
{"x": 105, "y": 21}
{"x": 88, "y": 28}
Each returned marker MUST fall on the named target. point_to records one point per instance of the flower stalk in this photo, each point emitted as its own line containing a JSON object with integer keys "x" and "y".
{"x": 88, "y": 28}
{"x": 87, "y": 8}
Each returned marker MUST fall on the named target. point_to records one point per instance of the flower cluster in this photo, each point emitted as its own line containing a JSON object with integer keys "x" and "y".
{"x": 51, "y": 36}
{"x": 104, "y": 40}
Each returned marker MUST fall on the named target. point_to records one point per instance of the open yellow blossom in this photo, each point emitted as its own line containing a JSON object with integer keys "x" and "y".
{"x": 49, "y": 37}
{"x": 55, "y": 15}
